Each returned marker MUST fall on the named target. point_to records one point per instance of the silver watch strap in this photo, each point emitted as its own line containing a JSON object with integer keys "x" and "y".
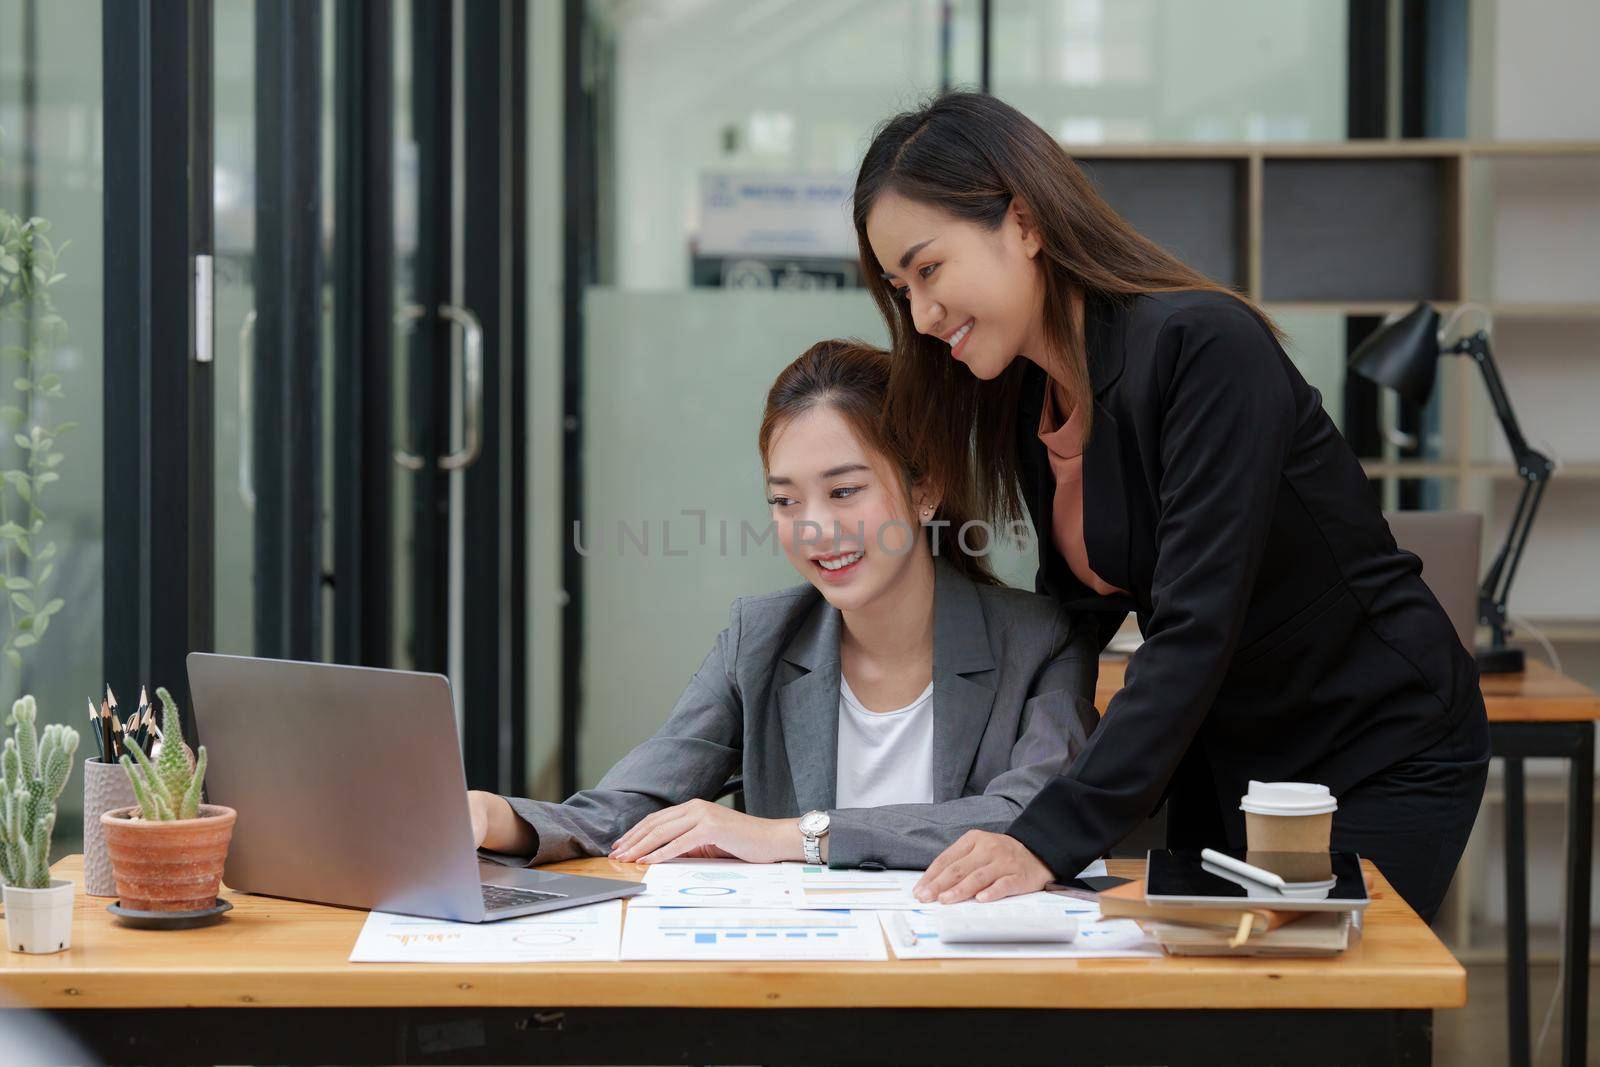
{"x": 813, "y": 849}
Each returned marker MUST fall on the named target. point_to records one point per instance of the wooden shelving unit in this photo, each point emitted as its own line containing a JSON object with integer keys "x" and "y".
{"x": 1364, "y": 228}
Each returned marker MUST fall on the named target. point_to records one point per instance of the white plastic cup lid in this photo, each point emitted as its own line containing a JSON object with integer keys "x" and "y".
{"x": 1288, "y": 798}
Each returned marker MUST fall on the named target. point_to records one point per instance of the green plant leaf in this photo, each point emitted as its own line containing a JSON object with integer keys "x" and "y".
{"x": 50, "y": 381}
{"x": 42, "y": 623}
{"x": 45, "y": 478}
{"x": 24, "y": 490}
{"x": 52, "y": 607}
{"x": 47, "y": 552}
{"x": 21, "y": 384}
{"x": 23, "y": 441}
{"x": 11, "y": 531}
{"x": 44, "y": 575}
{"x": 66, "y": 427}
{"x": 26, "y": 640}
{"x": 18, "y": 582}
{"x": 23, "y": 601}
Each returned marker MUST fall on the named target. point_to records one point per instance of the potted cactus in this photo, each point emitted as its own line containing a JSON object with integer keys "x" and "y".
{"x": 167, "y": 853}
{"x": 38, "y": 907}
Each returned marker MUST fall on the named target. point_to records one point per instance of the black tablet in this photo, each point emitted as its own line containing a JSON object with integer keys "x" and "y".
{"x": 1181, "y": 878}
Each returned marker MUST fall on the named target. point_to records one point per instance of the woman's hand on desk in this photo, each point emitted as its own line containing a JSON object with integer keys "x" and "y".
{"x": 982, "y": 865}
{"x": 704, "y": 830}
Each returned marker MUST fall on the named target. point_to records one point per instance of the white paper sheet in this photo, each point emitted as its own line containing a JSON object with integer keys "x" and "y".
{"x": 713, "y": 884}
{"x": 821, "y": 887}
{"x": 751, "y": 934}
{"x": 1097, "y": 939}
{"x": 590, "y": 932}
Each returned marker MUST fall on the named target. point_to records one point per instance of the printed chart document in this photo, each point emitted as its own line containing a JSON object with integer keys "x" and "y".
{"x": 822, "y": 887}
{"x": 1097, "y": 939}
{"x": 751, "y": 934}
{"x": 590, "y": 932}
{"x": 713, "y": 884}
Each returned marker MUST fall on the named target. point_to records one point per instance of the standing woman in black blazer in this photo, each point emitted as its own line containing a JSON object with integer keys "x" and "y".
{"x": 1286, "y": 637}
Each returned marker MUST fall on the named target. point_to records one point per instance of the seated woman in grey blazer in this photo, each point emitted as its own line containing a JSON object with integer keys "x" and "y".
{"x": 897, "y": 699}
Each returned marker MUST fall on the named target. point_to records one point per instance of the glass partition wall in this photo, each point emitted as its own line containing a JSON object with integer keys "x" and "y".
{"x": 723, "y": 138}
{"x": 52, "y": 307}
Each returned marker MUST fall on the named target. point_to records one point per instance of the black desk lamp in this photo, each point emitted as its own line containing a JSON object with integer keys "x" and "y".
{"x": 1403, "y": 356}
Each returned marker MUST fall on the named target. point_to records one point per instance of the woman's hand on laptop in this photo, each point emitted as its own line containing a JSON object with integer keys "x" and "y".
{"x": 701, "y": 829}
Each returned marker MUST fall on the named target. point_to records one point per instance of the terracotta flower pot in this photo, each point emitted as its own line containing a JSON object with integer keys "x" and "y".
{"x": 168, "y": 866}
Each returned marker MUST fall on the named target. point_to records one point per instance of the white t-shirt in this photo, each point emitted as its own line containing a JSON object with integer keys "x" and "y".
{"x": 885, "y": 757}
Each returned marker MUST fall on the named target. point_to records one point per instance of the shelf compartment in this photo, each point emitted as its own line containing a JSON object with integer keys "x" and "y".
{"x": 1381, "y": 230}
{"x": 1195, "y": 208}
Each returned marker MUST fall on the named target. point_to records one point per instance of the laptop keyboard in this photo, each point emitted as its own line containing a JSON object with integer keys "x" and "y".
{"x": 499, "y": 896}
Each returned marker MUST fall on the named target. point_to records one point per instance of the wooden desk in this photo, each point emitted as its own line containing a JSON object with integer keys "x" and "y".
{"x": 270, "y": 984}
{"x": 1537, "y": 695}
{"x": 1538, "y": 713}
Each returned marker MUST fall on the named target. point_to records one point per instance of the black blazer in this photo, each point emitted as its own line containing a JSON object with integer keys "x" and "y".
{"x": 1286, "y": 636}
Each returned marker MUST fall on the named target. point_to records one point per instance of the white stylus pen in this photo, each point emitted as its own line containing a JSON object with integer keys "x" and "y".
{"x": 1255, "y": 874}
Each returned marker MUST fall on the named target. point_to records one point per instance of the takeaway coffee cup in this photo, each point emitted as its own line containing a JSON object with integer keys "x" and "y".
{"x": 1288, "y": 816}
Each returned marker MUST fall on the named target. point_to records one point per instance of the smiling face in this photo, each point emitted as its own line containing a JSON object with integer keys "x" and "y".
{"x": 841, "y": 509}
{"x": 979, "y": 290}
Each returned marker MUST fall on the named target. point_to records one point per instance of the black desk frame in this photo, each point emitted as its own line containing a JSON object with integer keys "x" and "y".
{"x": 1574, "y": 742}
{"x": 819, "y": 1037}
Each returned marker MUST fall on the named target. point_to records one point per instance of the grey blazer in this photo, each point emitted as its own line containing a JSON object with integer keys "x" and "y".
{"x": 1011, "y": 707}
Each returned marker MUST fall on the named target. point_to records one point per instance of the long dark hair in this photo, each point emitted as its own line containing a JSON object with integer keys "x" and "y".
{"x": 852, "y": 378}
{"x": 972, "y": 155}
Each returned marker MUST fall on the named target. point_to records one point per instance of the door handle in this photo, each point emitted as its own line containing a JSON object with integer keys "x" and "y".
{"x": 404, "y": 316}
{"x": 247, "y": 414}
{"x": 472, "y": 417}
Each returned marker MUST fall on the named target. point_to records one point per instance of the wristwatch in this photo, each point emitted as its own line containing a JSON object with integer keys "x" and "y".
{"x": 814, "y": 826}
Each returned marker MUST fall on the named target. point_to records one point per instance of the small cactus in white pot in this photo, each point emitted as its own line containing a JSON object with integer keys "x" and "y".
{"x": 38, "y": 908}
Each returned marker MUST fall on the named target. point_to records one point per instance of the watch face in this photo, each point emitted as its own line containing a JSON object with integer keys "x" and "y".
{"x": 814, "y": 823}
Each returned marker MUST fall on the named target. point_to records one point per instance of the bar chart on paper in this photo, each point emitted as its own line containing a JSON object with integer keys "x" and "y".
{"x": 750, "y": 934}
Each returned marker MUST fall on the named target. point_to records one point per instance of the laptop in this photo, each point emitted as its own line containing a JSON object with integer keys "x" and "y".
{"x": 1448, "y": 543}
{"x": 350, "y": 790}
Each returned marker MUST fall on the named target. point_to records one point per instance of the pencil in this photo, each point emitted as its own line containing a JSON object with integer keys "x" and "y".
{"x": 141, "y": 718}
{"x": 116, "y": 735}
{"x": 94, "y": 723}
{"x": 105, "y": 728}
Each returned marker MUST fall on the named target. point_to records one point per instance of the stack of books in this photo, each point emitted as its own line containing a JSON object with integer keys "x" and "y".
{"x": 1233, "y": 930}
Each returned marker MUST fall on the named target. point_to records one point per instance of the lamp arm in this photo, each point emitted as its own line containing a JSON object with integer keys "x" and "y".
{"x": 1476, "y": 348}
{"x": 1533, "y": 467}
{"x": 1496, "y": 588}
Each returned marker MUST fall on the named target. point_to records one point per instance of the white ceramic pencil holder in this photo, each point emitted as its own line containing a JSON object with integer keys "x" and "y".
{"x": 105, "y": 788}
